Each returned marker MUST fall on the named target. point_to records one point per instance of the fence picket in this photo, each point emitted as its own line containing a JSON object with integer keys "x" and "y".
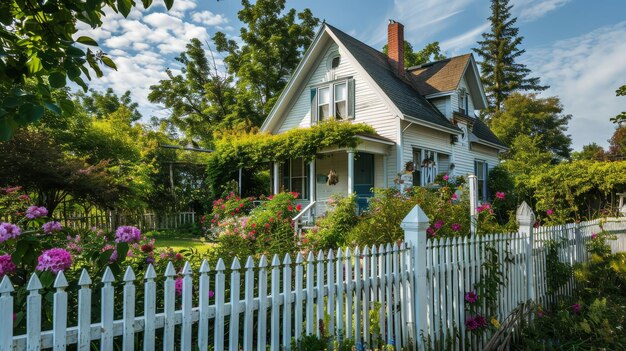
{"x": 287, "y": 302}
{"x": 349, "y": 292}
{"x": 185, "y": 334}
{"x": 33, "y": 322}
{"x": 106, "y": 315}
{"x": 262, "y": 315}
{"x": 366, "y": 295}
{"x": 220, "y": 291}
{"x": 396, "y": 297}
{"x": 382, "y": 294}
{"x": 275, "y": 318}
{"x": 6, "y": 313}
{"x": 149, "y": 308}
{"x": 169, "y": 301}
{"x": 319, "y": 292}
{"x": 248, "y": 324}
{"x": 309, "y": 296}
{"x": 235, "y": 282}
{"x": 339, "y": 284}
{"x": 299, "y": 297}
{"x": 330, "y": 270}
{"x": 129, "y": 309}
{"x": 204, "y": 301}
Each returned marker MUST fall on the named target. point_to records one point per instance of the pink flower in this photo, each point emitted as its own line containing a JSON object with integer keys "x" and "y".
{"x": 500, "y": 195}
{"x": 178, "y": 286}
{"x": 481, "y": 321}
{"x": 127, "y": 234}
{"x": 54, "y": 260}
{"x": 6, "y": 265}
{"x": 8, "y": 231}
{"x": 471, "y": 324}
{"x": 456, "y": 227}
{"x": 483, "y": 207}
{"x": 576, "y": 308}
{"x": 150, "y": 260}
{"x": 593, "y": 236}
{"x": 438, "y": 224}
{"x": 471, "y": 297}
{"x": 455, "y": 196}
{"x": 35, "y": 212}
{"x": 549, "y": 212}
{"x": 211, "y": 294}
{"x": 430, "y": 231}
{"x": 446, "y": 177}
{"x": 51, "y": 227}
{"x": 24, "y": 197}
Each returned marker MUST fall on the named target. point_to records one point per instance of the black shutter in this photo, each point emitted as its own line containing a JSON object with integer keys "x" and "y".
{"x": 351, "y": 99}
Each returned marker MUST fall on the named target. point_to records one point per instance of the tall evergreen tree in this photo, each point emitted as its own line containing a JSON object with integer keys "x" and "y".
{"x": 499, "y": 49}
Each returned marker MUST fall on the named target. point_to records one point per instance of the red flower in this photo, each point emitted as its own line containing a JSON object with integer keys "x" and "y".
{"x": 290, "y": 208}
{"x": 298, "y": 207}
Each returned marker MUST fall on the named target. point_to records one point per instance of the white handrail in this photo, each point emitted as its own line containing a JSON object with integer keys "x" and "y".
{"x": 296, "y": 218}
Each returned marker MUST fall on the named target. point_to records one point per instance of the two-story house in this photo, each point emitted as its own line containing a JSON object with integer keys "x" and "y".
{"x": 422, "y": 114}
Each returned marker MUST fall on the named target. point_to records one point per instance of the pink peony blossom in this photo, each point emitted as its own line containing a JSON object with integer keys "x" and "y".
{"x": 481, "y": 321}
{"x": 438, "y": 224}
{"x": 179, "y": 286}
{"x": 211, "y": 294}
{"x": 6, "y": 265}
{"x": 51, "y": 227}
{"x": 127, "y": 234}
{"x": 456, "y": 227}
{"x": 471, "y": 297}
{"x": 549, "y": 212}
{"x": 430, "y": 231}
{"x": 471, "y": 324}
{"x": 35, "y": 212}
{"x": 594, "y": 235}
{"x": 455, "y": 196}
{"x": 54, "y": 260}
{"x": 500, "y": 195}
{"x": 8, "y": 231}
{"x": 484, "y": 207}
{"x": 446, "y": 177}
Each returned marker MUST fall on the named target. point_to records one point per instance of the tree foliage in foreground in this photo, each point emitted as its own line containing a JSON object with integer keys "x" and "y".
{"x": 429, "y": 53}
{"x": 499, "y": 51}
{"x": 37, "y": 41}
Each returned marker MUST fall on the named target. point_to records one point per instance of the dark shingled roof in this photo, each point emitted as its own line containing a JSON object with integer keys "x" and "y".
{"x": 483, "y": 132}
{"x": 399, "y": 91}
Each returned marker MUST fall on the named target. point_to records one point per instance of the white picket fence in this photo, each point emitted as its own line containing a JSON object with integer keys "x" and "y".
{"x": 344, "y": 286}
{"x": 414, "y": 288}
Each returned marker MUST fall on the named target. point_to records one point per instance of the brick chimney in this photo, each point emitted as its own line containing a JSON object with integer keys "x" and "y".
{"x": 395, "y": 46}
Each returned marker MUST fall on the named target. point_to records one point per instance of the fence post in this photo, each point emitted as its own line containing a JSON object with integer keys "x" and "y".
{"x": 414, "y": 226}
{"x": 526, "y": 220}
{"x": 473, "y": 195}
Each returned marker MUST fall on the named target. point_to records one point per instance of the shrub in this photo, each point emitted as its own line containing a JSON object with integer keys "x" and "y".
{"x": 332, "y": 230}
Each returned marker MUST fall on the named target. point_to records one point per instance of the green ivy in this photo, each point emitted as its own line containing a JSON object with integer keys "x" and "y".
{"x": 250, "y": 151}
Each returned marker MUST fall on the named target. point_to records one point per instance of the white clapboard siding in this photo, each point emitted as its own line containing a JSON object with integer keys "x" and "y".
{"x": 345, "y": 285}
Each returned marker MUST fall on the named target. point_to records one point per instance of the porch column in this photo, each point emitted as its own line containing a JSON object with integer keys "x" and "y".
{"x": 350, "y": 172}
{"x": 312, "y": 181}
{"x": 385, "y": 172}
{"x": 276, "y": 178}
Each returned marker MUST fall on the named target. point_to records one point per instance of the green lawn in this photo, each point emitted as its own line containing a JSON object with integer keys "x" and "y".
{"x": 182, "y": 243}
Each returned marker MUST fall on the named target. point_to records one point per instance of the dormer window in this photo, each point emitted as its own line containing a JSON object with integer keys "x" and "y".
{"x": 463, "y": 101}
{"x": 333, "y": 100}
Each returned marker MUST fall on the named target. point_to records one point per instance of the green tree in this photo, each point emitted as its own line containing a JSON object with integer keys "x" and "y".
{"x": 499, "y": 50}
{"x": 273, "y": 42}
{"x": 541, "y": 119}
{"x": 200, "y": 99}
{"x": 37, "y": 41}
{"x": 101, "y": 104}
{"x": 431, "y": 52}
{"x": 591, "y": 151}
{"x": 621, "y": 118}
{"x": 617, "y": 144}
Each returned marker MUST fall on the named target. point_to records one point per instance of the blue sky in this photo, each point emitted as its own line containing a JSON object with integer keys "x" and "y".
{"x": 578, "y": 47}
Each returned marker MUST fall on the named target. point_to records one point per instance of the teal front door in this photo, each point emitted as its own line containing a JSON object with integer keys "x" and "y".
{"x": 363, "y": 179}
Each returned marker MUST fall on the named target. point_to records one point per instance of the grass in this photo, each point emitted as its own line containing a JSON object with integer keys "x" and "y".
{"x": 179, "y": 241}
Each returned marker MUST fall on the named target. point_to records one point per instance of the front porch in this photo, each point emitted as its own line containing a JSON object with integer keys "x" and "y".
{"x": 334, "y": 171}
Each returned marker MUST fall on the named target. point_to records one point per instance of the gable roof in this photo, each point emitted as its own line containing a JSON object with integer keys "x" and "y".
{"x": 482, "y": 132}
{"x": 401, "y": 93}
{"x": 439, "y": 76}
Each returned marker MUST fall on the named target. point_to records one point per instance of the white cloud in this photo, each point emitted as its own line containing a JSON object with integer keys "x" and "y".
{"x": 530, "y": 10}
{"x": 464, "y": 41}
{"x": 584, "y": 72}
{"x": 209, "y": 18}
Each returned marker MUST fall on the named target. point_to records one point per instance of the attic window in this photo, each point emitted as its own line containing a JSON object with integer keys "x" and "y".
{"x": 334, "y": 63}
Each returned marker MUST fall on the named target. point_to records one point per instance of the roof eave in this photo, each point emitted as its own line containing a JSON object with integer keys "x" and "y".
{"x": 455, "y": 131}
{"x": 499, "y": 147}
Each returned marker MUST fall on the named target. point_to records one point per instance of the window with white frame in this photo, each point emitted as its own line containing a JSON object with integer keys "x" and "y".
{"x": 334, "y": 100}
{"x": 295, "y": 174}
{"x": 463, "y": 101}
{"x": 481, "y": 171}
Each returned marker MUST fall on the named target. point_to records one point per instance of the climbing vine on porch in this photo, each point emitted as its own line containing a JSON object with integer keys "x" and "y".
{"x": 234, "y": 150}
